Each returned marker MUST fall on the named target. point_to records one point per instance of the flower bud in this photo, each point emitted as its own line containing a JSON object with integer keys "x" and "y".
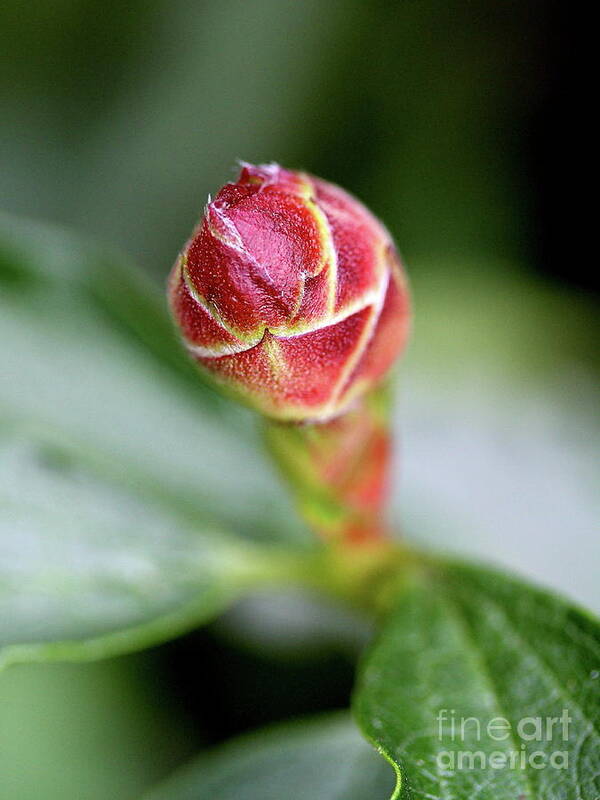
{"x": 291, "y": 294}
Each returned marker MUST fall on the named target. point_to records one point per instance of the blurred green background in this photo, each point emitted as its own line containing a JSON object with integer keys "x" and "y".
{"x": 448, "y": 119}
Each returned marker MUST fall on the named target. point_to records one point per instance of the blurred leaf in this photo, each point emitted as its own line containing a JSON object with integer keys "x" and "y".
{"x": 466, "y": 642}
{"x": 89, "y": 731}
{"x": 325, "y": 759}
{"x": 115, "y": 462}
{"x": 491, "y": 318}
{"x": 499, "y": 425}
{"x": 89, "y": 568}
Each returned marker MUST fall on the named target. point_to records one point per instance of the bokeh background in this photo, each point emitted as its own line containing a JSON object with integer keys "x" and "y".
{"x": 454, "y": 122}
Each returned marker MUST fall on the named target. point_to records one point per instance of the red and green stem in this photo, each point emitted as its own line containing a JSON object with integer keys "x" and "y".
{"x": 339, "y": 470}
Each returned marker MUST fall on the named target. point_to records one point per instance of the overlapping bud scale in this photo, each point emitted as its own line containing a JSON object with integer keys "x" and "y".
{"x": 290, "y": 293}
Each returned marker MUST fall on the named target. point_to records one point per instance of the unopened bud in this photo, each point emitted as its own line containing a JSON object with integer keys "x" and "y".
{"x": 291, "y": 294}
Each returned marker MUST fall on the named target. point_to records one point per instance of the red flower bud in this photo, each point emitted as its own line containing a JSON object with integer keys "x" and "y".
{"x": 291, "y": 293}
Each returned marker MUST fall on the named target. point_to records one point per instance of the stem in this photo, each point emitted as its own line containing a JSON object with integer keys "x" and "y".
{"x": 338, "y": 471}
{"x": 365, "y": 577}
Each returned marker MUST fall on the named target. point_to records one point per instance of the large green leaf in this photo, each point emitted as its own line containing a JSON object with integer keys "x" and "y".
{"x": 118, "y": 465}
{"x": 464, "y": 642}
{"x": 90, "y": 566}
{"x": 325, "y": 759}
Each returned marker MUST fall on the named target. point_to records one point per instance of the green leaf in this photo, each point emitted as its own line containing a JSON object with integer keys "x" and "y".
{"x": 119, "y": 467}
{"x": 324, "y": 758}
{"x": 90, "y": 568}
{"x": 465, "y": 642}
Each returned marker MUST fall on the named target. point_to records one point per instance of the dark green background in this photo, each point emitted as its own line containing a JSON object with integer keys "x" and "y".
{"x": 441, "y": 116}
